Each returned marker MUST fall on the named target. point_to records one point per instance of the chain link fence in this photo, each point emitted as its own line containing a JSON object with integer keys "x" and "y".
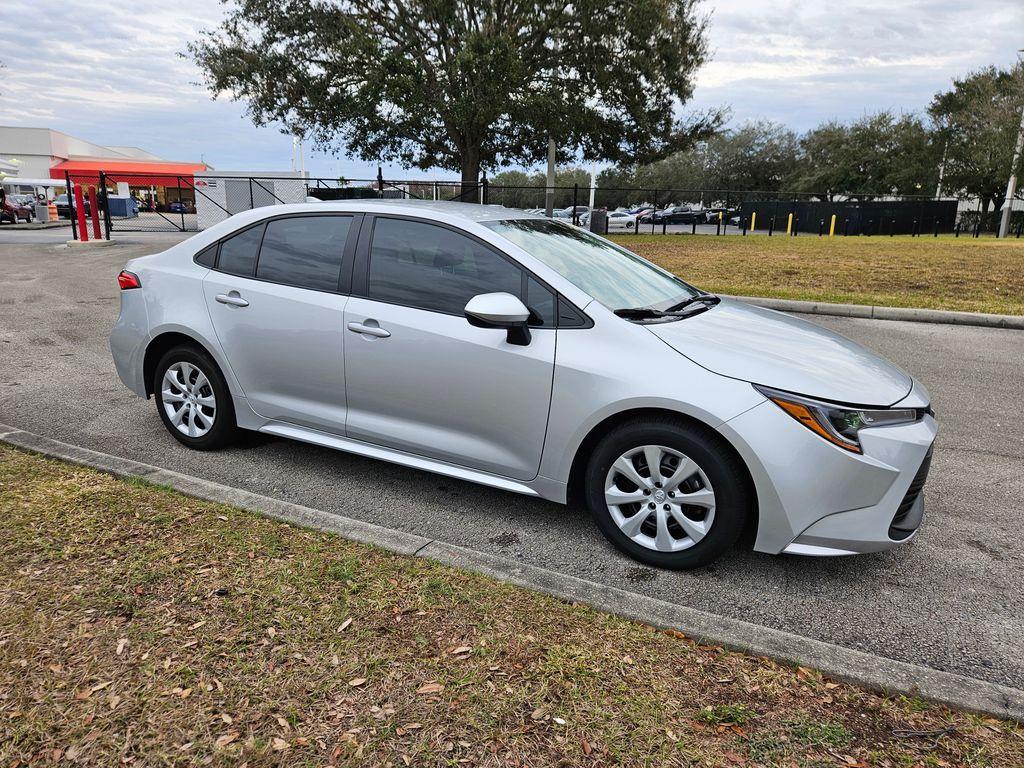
{"x": 173, "y": 203}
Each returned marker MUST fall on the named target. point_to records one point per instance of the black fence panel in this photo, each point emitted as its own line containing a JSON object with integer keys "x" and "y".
{"x": 875, "y": 217}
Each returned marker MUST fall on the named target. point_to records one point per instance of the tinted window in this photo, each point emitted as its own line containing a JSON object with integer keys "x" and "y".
{"x": 208, "y": 256}
{"x": 238, "y": 253}
{"x": 305, "y": 251}
{"x": 430, "y": 267}
{"x": 542, "y": 301}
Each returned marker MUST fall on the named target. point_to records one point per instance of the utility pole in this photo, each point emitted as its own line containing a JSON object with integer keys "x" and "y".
{"x": 549, "y": 194}
{"x": 593, "y": 184}
{"x": 1011, "y": 185}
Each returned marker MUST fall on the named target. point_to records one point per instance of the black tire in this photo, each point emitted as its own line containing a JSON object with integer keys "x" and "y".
{"x": 223, "y": 430}
{"x": 734, "y": 499}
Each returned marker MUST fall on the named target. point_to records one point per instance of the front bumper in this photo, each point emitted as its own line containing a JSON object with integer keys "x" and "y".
{"x": 817, "y": 499}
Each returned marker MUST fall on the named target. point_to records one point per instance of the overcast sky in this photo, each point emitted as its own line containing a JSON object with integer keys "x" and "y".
{"x": 110, "y": 71}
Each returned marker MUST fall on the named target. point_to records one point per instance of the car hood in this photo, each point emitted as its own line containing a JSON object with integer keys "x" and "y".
{"x": 766, "y": 347}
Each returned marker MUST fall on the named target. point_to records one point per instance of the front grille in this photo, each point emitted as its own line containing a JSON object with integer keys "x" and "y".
{"x": 901, "y": 527}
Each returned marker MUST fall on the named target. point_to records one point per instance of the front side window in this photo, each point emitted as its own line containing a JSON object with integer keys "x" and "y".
{"x": 238, "y": 252}
{"x": 304, "y": 251}
{"x": 430, "y": 267}
{"x": 612, "y": 275}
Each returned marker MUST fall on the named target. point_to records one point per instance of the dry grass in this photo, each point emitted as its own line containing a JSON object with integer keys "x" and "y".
{"x": 983, "y": 275}
{"x": 142, "y": 627}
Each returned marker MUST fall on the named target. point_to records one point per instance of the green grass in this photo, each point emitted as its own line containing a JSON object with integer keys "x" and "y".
{"x": 140, "y": 625}
{"x": 963, "y": 274}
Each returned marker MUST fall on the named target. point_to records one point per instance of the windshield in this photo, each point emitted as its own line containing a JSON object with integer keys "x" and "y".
{"x": 612, "y": 275}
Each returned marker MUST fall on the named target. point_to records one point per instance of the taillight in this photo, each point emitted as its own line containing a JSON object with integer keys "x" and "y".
{"x": 127, "y": 280}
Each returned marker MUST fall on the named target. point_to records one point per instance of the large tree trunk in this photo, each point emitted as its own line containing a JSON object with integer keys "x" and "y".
{"x": 470, "y": 175}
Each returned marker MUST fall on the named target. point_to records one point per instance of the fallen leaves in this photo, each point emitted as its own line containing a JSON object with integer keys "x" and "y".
{"x": 227, "y": 738}
{"x": 430, "y": 688}
{"x": 356, "y": 682}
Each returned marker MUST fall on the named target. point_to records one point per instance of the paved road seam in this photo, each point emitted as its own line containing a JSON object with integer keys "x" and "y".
{"x": 858, "y": 667}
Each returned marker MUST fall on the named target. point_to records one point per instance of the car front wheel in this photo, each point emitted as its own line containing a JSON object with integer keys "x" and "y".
{"x": 668, "y": 494}
{"x": 193, "y": 400}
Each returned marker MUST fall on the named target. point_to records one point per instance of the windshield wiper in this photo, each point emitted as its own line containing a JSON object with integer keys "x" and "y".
{"x": 702, "y": 298}
{"x": 649, "y": 313}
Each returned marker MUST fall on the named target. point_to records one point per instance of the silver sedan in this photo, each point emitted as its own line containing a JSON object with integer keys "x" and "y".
{"x": 526, "y": 354}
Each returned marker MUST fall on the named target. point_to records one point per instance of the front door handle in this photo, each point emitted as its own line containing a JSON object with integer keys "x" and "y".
{"x": 369, "y": 330}
{"x": 232, "y": 299}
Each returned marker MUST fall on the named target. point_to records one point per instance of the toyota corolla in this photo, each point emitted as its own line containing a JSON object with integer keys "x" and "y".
{"x": 526, "y": 354}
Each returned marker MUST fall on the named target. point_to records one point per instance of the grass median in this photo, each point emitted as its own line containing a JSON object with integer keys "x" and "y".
{"x": 143, "y": 627}
{"x": 963, "y": 274}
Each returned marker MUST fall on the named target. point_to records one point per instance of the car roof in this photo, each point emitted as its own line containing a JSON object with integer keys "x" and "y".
{"x": 466, "y": 211}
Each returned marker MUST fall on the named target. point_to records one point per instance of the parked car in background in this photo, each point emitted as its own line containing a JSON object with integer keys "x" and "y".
{"x": 681, "y": 419}
{"x": 677, "y": 214}
{"x": 711, "y": 214}
{"x": 64, "y": 210}
{"x": 15, "y": 210}
{"x": 620, "y": 220}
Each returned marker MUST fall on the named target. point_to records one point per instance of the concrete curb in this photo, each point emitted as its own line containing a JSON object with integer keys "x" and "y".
{"x": 89, "y": 243}
{"x": 982, "y": 319}
{"x": 875, "y": 672}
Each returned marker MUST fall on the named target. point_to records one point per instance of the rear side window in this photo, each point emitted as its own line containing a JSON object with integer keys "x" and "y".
{"x": 208, "y": 256}
{"x": 304, "y": 251}
{"x": 238, "y": 253}
{"x": 430, "y": 267}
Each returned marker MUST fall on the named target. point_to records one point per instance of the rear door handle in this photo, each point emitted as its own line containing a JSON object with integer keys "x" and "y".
{"x": 369, "y": 330}
{"x": 232, "y": 299}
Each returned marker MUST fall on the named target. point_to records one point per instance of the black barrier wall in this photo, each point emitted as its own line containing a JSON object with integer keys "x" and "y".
{"x": 877, "y": 217}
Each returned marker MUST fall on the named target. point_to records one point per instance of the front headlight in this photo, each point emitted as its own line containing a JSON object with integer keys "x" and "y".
{"x": 839, "y": 424}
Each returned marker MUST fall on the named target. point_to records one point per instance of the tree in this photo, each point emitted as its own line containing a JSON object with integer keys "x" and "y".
{"x": 755, "y": 156}
{"x": 878, "y": 155}
{"x": 977, "y": 124}
{"x": 462, "y": 85}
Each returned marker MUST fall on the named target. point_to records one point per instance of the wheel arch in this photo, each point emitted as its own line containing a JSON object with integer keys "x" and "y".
{"x": 577, "y": 472}
{"x": 161, "y": 343}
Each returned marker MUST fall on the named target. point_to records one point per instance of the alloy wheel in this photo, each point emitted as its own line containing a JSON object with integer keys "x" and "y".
{"x": 188, "y": 399}
{"x": 660, "y": 498}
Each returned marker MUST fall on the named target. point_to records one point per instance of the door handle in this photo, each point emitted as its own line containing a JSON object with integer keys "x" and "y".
{"x": 232, "y": 299}
{"x": 369, "y": 330}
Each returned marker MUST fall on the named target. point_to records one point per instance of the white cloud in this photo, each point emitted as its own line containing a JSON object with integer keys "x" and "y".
{"x": 110, "y": 71}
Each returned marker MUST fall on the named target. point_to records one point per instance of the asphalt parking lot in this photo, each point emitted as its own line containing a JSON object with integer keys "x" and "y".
{"x": 951, "y": 599}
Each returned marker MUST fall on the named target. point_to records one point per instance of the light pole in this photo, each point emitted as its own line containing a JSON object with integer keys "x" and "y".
{"x": 1011, "y": 185}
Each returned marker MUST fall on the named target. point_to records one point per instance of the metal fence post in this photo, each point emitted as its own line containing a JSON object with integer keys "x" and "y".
{"x": 485, "y": 185}
{"x": 106, "y": 204}
{"x": 654, "y": 211}
{"x": 380, "y": 182}
{"x": 252, "y": 200}
{"x": 181, "y": 205}
{"x": 575, "y": 195}
{"x": 71, "y": 205}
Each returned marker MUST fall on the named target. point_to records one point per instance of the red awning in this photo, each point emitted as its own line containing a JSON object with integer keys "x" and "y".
{"x": 134, "y": 172}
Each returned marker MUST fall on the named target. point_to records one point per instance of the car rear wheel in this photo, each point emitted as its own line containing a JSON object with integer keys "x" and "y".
{"x": 193, "y": 400}
{"x": 668, "y": 494}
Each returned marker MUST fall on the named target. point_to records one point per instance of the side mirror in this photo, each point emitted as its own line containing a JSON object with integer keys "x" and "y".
{"x": 501, "y": 310}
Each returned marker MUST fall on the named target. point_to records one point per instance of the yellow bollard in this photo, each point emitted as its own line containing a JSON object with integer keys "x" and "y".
{"x": 753, "y": 221}
{"x": 832, "y": 227}
{"x": 789, "y": 225}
